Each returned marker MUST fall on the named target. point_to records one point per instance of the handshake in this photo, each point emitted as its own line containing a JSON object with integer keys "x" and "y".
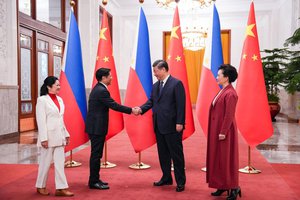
{"x": 136, "y": 111}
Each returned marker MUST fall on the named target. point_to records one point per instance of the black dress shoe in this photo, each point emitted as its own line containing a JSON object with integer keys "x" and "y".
{"x": 161, "y": 183}
{"x": 98, "y": 186}
{"x": 219, "y": 192}
{"x": 180, "y": 188}
{"x": 102, "y": 182}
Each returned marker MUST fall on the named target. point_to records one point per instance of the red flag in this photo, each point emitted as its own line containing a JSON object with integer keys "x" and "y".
{"x": 252, "y": 112}
{"x": 140, "y": 128}
{"x": 105, "y": 59}
{"x": 213, "y": 58}
{"x": 177, "y": 66}
{"x": 72, "y": 89}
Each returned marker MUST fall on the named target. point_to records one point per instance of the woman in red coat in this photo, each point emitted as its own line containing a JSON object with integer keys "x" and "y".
{"x": 222, "y": 158}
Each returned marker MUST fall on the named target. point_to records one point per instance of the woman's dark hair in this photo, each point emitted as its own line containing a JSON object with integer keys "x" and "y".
{"x": 49, "y": 81}
{"x": 102, "y": 72}
{"x": 161, "y": 64}
{"x": 229, "y": 71}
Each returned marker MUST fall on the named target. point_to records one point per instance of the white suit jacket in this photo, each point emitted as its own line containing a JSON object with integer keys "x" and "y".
{"x": 50, "y": 122}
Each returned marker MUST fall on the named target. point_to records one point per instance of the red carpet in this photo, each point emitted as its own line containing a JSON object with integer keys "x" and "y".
{"x": 275, "y": 181}
{"x": 291, "y": 174}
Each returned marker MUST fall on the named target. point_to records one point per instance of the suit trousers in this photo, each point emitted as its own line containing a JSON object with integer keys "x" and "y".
{"x": 169, "y": 147}
{"x": 58, "y": 156}
{"x": 97, "y": 143}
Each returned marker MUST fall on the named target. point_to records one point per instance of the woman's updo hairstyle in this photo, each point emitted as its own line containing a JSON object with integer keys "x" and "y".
{"x": 49, "y": 81}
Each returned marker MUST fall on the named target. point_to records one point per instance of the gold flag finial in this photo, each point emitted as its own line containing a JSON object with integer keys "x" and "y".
{"x": 72, "y": 3}
{"x": 104, "y": 2}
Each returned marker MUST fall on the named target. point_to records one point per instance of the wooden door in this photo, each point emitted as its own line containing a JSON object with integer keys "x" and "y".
{"x": 40, "y": 56}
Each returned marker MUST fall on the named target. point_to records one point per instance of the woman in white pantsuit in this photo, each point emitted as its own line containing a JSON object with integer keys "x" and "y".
{"x": 52, "y": 137}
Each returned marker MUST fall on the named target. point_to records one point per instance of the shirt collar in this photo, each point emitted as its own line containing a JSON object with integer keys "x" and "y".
{"x": 165, "y": 80}
{"x": 104, "y": 85}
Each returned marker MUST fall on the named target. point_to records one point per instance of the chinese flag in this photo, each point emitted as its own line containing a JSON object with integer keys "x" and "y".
{"x": 105, "y": 59}
{"x": 252, "y": 112}
{"x": 178, "y": 70}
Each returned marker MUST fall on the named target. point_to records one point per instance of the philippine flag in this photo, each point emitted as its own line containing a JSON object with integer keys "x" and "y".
{"x": 140, "y": 128}
{"x": 213, "y": 58}
{"x": 72, "y": 87}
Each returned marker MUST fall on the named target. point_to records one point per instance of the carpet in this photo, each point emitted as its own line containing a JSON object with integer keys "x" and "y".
{"x": 18, "y": 181}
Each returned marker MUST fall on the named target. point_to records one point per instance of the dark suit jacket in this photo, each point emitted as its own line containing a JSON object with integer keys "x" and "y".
{"x": 168, "y": 108}
{"x": 99, "y": 103}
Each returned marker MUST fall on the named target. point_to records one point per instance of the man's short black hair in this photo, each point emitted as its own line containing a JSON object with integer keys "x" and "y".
{"x": 161, "y": 64}
{"x": 102, "y": 72}
{"x": 229, "y": 71}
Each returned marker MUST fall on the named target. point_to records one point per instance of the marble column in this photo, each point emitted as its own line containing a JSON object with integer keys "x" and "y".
{"x": 8, "y": 68}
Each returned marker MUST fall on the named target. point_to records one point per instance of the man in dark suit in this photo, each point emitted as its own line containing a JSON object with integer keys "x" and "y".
{"x": 167, "y": 101}
{"x": 97, "y": 123}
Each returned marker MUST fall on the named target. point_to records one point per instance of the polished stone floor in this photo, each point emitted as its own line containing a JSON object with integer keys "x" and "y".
{"x": 282, "y": 147}
{"x": 23, "y": 149}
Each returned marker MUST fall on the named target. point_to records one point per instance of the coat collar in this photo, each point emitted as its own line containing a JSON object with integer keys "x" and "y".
{"x": 50, "y": 101}
{"x": 223, "y": 92}
{"x": 101, "y": 85}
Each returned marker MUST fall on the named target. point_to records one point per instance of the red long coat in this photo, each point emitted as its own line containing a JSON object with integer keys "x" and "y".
{"x": 222, "y": 157}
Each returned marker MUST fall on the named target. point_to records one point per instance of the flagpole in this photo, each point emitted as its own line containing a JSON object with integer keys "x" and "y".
{"x": 71, "y": 163}
{"x": 249, "y": 169}
{"x": 105, "y": 164}
{"x": 139, "y": 164}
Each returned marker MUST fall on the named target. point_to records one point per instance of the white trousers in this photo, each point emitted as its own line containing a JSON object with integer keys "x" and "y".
{"x": 58, "y": 156}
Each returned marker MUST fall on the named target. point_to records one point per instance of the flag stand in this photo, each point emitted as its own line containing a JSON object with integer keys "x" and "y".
{"x": 106, "y": 164}
{"x": 139, "y": 164}
{"x": 71, "y": 163}
{"x": 249, "y": 169}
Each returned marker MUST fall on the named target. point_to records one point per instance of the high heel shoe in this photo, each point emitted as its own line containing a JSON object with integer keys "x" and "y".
{"x": 219, "y": 192}
{"x": 234, "y": 193}
{"x": 239, "y": 191}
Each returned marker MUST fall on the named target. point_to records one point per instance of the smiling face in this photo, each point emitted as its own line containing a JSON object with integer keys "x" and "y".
{"x": 55, "y": 88}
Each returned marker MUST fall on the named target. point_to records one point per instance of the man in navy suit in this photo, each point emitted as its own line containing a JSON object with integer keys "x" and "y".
{"x": 167, "y": 101}
{"x": 96, "y": 124}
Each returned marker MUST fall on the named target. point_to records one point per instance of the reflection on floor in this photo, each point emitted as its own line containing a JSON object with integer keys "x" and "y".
{"x": 282, "y": 147}
{"x": 23, "y": 149}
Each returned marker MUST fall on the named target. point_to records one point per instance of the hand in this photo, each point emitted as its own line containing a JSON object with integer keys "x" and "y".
{"x": 136, "y": 111}
{"x": 222, "y": 136}
{"x": 179, "y": 127}
{"x": 45, "y": 144}
{"x": 67, "y": 140}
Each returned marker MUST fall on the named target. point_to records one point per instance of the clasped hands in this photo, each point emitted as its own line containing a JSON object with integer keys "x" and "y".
{"x": 136, "y": 111}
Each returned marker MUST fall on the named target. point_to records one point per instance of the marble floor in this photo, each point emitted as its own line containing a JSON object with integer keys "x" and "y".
{"x": 282, "y": 147}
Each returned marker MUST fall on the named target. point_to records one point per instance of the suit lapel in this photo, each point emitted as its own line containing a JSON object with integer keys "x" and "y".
{"x": 164, "y": 88}
{"x": 50, "y": 101}
{"x": 61, "y": 105}
{"x": 222, "y": 93}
